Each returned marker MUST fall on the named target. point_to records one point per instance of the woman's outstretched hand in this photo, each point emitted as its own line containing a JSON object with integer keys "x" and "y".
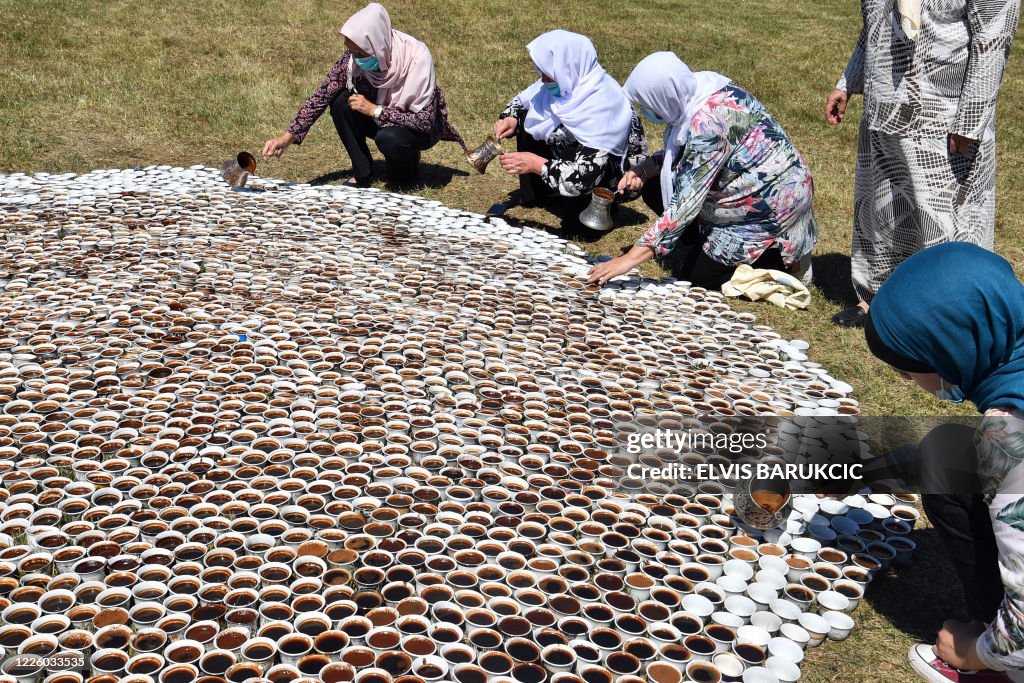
{"x": 505, "y": 128}
{"x": 275, "y": 147}
{"x": 603, "y": 272}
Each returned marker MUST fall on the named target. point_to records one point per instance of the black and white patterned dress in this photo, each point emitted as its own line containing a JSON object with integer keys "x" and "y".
{"x": 910, "y": 192}
{"x": 575, "y": 170}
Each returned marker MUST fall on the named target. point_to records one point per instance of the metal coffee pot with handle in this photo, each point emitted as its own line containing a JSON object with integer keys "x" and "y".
{"x": 762, "y": 503}
{"x": 598, "y": 215}
{"x": 487, "y": 152}
{"x": 235, "y": 172}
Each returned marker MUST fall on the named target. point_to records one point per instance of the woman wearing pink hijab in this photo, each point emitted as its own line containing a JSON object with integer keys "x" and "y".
{"x": 383, "y": 88}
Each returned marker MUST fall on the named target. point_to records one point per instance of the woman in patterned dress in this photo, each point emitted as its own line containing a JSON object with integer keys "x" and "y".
{"x": 382, "y": 87}
{"x": 926, "y": 153}
{"x": 730, "y": 187}
{"x": 951, "y": 319}
{"x": 575, "y": 130}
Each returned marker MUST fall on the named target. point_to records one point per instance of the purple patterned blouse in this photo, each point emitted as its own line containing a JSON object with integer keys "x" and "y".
{"x": 432, "y": 119}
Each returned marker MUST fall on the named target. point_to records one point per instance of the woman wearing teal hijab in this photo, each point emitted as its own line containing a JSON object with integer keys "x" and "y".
{"x": 951, "y": 319}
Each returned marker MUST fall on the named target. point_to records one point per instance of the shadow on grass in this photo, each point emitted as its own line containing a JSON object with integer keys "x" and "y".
{"x": 832, "y": 276}
{"x": 916, "y": 599}
{"x": 623, "y": 217}
{"x": 433, "y": 176}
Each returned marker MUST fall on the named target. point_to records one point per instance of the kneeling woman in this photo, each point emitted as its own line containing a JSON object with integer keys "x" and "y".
{"x": 383, "y": 88}
{"x": 574, "y": 128}
{"x": 951, "y": 319}
{"x": 732, "y": 188}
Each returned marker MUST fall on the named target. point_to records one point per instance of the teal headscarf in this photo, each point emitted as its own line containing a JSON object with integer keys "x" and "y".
{"x": 959, "y": 310}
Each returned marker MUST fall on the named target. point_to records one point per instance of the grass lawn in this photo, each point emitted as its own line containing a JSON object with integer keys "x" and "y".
{"x": 112, "y": 83}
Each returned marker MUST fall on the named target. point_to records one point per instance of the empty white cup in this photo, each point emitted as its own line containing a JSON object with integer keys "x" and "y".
{"x": 759, "y": 674}
{"x": 785, "y": 670}
{"x": 816, "y": 626}
{"x": 769, "y": 621}
{"x": 796, "y": 633}
{"x": 841, "y": 624}
{"x": 786, "y": 649}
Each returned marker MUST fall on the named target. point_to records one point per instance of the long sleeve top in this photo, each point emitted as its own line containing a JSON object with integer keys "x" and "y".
{"x": 999, "y": 442}
{"x": 432, "y": 119}
{"x": 946, "y": 82}
{"x": 739, "y": 177}
{"x": 576, "y": 169}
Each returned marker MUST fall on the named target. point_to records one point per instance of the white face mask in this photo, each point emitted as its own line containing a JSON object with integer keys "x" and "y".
{"x": 954, "y": 395}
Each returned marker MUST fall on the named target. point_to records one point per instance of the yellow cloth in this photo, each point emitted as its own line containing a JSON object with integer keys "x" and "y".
{"x": 909, "y": 12}
{"x": 774, "y": 286}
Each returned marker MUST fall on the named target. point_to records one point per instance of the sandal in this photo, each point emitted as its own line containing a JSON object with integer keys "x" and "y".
{"x": 851, "y": 317}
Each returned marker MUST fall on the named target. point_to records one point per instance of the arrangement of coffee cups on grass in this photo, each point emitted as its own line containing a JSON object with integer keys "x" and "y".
{"x": 330, "y": 434}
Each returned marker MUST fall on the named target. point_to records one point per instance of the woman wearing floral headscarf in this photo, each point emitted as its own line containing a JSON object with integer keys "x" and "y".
{"x": 574, "y": 128}
{"x": 731, "y": 187}
{"x": 382, "y": 87}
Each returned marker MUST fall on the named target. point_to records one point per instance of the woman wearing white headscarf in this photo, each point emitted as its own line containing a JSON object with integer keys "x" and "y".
{"x": 730, "y": 188}
{"x": 382, "y": 87}
{"x": 574, "y": 128}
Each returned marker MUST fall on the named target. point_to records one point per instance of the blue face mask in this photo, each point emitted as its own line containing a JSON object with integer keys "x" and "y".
{"x": 368, "y": 63}
{"x": 954, "y": 395}
{"x": 553, "y": 88}
{"x": 649, "y": 115}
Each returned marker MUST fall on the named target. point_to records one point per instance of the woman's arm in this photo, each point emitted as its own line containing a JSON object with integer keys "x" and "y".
{"x": 638, "y": 150}
{"x": 516, "y": 109}
{"x": 603, "y": 272}
{"x": 852, "y": 80}
{"x": 318, "y": 102}
{"x": 702, "y": 160}
{"x": 999, "y": 442}
{"x": 650, "y": 168}
{"x": 510, "y": 119}
{"x": 992, "y": 24}
{"x": 576, "y": 176}
{"x": 421, "y": 121}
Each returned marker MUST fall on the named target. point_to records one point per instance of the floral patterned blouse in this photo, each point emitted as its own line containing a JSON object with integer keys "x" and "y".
{"x": 432, "y": 119}
{"x": 576, "y": 169}
{"x": 743, "y": 182}
{"x": 999, "y": 442}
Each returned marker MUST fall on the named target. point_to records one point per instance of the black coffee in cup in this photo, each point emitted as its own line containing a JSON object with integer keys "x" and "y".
{"x": 700, "y": 645}
{"x": 750, "y": 653}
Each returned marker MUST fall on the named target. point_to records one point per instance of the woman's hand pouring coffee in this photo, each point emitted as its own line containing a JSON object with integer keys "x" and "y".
{"x": 505, "y": 128}
{"x": 631, "y": 182}
{"x": 275, "y": 147}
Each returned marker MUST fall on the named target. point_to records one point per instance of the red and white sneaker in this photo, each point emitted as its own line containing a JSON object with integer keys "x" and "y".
{"x": 931, "y": 668}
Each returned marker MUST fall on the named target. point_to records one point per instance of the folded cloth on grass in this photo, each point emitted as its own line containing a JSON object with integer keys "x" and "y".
{"x": 774, "y": 286}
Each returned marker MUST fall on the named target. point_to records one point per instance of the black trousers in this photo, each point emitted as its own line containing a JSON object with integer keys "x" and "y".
{"x": 687, "y": 261}
{"x": 400, "y": 146}
{"x": 533, "y": 191}
{"x": 947, "y": 467}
